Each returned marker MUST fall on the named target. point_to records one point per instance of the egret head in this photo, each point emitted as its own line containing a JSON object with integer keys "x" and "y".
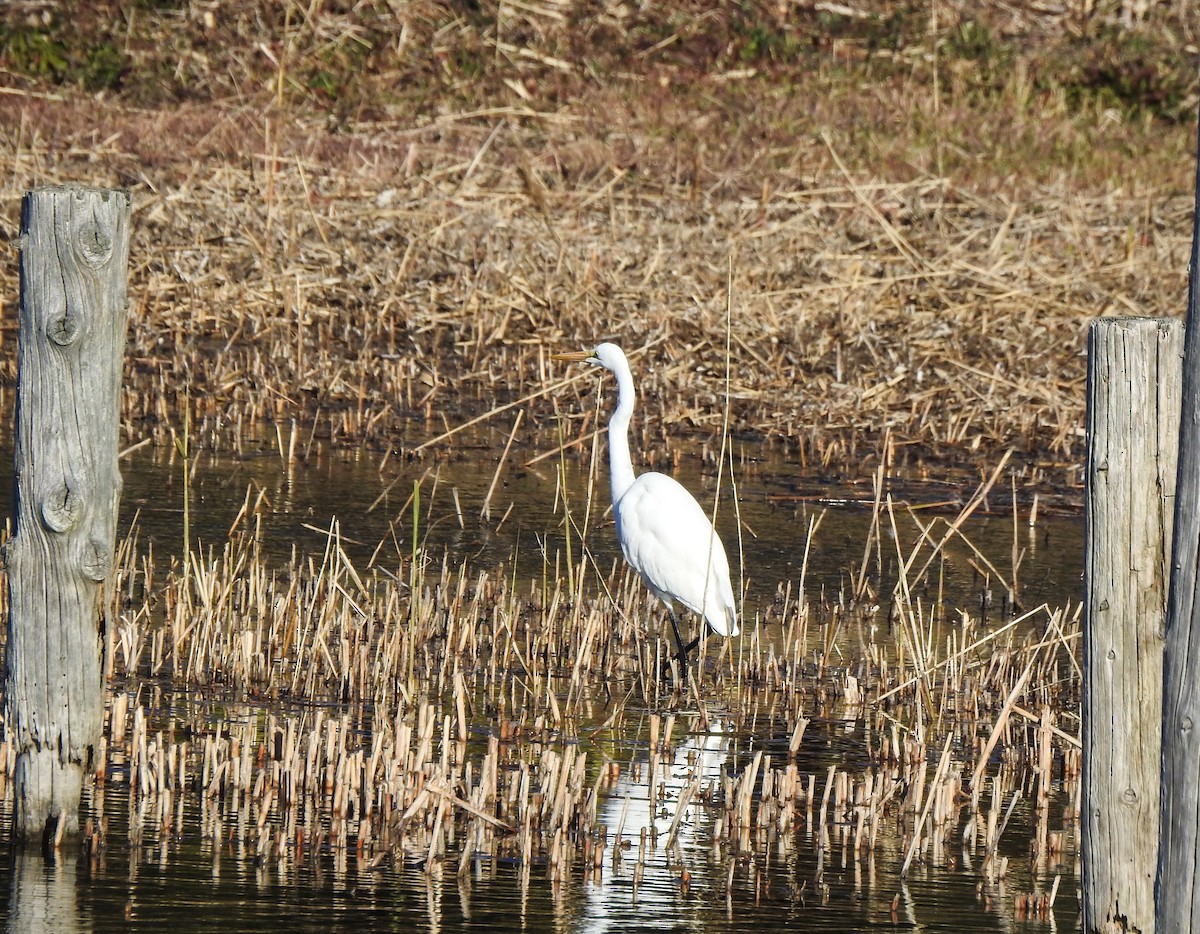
{"x": 607, "y": 355}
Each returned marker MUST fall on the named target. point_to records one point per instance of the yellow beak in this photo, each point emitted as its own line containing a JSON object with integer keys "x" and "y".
{"x": 572, "y": 356}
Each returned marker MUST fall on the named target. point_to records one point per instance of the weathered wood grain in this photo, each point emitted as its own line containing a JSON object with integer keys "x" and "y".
{"x": 74, "y": 259}
{"x": 1134, "y": 369}
{"x": 1177, "y": 888}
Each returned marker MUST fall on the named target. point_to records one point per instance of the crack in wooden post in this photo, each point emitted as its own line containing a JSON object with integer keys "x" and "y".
{"x": 74, "y": 257}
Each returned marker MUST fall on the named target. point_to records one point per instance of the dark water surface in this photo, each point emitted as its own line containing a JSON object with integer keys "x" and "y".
{"x": 369, "y": 497}
{"x": 199, "y": 877}
{"x": 191, "y": 881}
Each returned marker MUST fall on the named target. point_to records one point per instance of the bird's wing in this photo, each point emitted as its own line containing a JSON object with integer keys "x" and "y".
{"x": 669, "y": 541}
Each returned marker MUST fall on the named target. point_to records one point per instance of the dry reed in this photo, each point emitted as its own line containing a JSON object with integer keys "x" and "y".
{"x": 368, "y": 269}
{"x": 430, "y": 716}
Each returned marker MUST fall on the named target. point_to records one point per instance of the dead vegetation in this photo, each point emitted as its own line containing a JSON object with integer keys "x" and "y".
{"x": 414, "y": 715}
{"x": 365, "y": 225}
{"x": 375, "y": 220}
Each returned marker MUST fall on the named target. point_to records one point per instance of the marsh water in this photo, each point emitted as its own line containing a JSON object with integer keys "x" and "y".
{"x": 485, "y": 510}
{"x": 197, "y": 877}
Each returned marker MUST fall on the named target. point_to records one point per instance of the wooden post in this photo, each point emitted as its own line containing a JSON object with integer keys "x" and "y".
{"x": 74, "y": 257}
{"x": 1134, "y": 368}
{"x": 1177, "y": 891}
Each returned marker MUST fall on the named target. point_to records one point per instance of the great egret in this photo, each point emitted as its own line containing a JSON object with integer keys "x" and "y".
{"x": 664, "y": 534}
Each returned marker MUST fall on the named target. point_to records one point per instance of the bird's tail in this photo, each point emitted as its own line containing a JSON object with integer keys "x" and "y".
{"x": 723, "y": 619}
{"x": 731, "y": 621}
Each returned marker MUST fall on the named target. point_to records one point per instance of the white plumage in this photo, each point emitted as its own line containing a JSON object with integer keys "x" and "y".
{"x": 666, "y": 537}
{"x": 664, "y": 533}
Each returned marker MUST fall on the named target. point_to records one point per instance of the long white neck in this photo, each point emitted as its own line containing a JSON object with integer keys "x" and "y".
{"x": 620, "y": 465}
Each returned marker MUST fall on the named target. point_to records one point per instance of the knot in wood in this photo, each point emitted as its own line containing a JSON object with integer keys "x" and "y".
{"x": 64, "y": 329}
{"x": 62, "y": 510}
{"x": 96, "y": 561}
{"x": 93, "y": 243}
{"x": 1129, "y": 797}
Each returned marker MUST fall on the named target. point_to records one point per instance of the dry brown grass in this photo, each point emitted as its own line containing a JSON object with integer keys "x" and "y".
{"x": 377, "y": 220}
{"x": 379, "y": 260}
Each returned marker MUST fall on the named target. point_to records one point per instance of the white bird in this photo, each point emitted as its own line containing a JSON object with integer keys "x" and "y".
{"x": 664, "y": 533}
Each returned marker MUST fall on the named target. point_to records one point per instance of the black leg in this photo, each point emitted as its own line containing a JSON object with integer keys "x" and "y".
{"x": 684, "y": 650}
{"x": 682, "y": 655}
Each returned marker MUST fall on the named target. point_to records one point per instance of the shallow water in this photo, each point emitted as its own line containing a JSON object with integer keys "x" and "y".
{"x": 191, "y": 880}
{"x": 194, "y": 879}
{"x": 776, "y": 504}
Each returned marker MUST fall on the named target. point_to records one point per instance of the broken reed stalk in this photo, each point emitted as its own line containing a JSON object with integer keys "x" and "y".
{"x": 725, "y": 448}
{"x": 878, "y": 483}
{"x": 918, "y": 828}
{"x": 997, "y": 729}
{"x": 568, "y": 531}
{"x": 487, "y": 499}
{"x": 973, "y": 504}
